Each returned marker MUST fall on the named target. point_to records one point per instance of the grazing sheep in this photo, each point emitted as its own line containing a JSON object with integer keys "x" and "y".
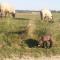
{"x": 6, "y": 9}
{"x": 46, "y": 14}
{"x": 45, "y": 41}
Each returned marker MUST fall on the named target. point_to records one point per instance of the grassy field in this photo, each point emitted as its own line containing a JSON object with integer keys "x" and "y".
{"x": 15, "y": 36}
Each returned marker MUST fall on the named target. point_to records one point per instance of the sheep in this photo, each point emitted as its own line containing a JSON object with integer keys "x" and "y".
{"x": 45, "y": 41}
{"x": 46, "y": 14}
{"x": 6, "y": 9}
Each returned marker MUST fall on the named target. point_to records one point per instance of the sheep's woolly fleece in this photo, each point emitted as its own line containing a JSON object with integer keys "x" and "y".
{"x": 47, "y": 13}
{"x": 7, "y": 7}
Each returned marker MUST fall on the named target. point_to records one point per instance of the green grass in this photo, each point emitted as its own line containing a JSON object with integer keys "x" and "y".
{"x": 13, "y": 40}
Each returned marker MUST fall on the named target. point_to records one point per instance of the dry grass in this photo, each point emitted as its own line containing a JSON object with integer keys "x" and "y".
{"x": 13, "y": 35}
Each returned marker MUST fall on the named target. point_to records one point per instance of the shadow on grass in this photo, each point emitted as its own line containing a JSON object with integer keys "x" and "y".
{"x": 17, "y": 32}
{"x": 21, "y": 32}
{"x": 31, "y": 43}
{"x": 21, "y": 19}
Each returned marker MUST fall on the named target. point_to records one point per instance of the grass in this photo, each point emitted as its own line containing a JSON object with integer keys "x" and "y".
{"x": 14, "y": 39}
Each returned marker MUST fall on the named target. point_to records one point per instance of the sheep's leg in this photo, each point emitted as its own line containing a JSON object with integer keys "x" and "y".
{"x": 5, "y": 14}
{"x": 41, "y": 15}
{"x": 1, "y": 14}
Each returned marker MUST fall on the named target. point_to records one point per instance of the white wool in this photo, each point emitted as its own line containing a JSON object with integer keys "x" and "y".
{"x": 7, "y": 7}
{"x": 47, "y": 13}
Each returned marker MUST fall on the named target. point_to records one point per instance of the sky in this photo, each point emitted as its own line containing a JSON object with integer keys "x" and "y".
{"x": 33, "y": 4}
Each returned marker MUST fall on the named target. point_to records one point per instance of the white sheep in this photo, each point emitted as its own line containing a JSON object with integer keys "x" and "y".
{"x": 7, "y": 9}
{"x": 46, "y": 14}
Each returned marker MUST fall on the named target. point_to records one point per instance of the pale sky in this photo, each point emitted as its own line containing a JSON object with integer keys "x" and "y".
{"x": 34, "y": 4}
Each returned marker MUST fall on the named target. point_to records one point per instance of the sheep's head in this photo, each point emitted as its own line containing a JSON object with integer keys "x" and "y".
{"x": 51, "y": 17}
{"x": 13, "y": 15}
